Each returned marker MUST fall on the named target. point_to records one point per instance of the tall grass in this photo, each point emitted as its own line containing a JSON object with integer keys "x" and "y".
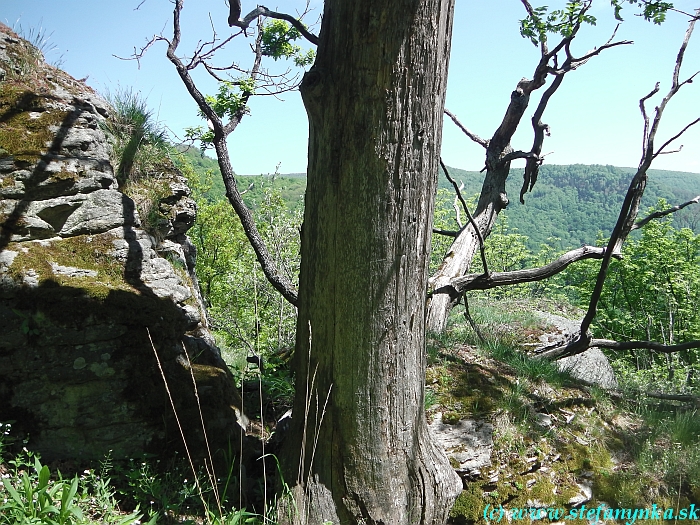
{"x": 139, "y": 142}
{"x": 41, "y": 40}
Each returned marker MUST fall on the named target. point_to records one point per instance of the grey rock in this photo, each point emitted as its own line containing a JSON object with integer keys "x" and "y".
{"x": 99, "y": 212}
{"x": 71, "y": 271}
{"x": 469, "y": 443}
{"x": 591, "y": 366}
{"x": 543, "y": 419}
{"x": 7, "y": 257}
{"x": 158, "y": 275}
{"x": 192, "y": 317}
{"x": 7, "y": 164}
{"x": 31, "y": 279}
{"x": 81, "y": 329}
{"x": 585, "y": 494}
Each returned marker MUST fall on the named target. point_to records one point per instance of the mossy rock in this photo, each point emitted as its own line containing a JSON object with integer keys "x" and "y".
{"x": 28, "y": 126}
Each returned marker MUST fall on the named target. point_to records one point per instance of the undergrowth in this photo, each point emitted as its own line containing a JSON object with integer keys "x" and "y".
{"x": 552, "y": 433}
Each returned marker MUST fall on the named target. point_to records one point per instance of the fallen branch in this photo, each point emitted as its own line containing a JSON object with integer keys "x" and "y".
{"x": 648, "y": 345}
{"x": 619, "y": 393}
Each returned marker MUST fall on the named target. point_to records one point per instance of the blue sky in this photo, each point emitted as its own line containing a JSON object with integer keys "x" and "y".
{"x": 594, "y": 117}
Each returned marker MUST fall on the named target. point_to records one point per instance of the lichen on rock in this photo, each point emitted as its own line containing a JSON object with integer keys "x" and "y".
{"x": 92, "y": 305}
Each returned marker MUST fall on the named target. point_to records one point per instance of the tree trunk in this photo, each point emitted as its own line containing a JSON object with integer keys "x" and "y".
{"x": 459, "y": 257}
{"x": 359, "y": 449}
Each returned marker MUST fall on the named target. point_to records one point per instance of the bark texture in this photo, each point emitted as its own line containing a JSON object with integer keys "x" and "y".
{"x": 360, "y": 450}
{"x": 456, "y": 263}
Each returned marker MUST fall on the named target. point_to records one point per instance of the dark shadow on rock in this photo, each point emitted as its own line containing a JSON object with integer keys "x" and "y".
{"x": 81, "y": 379}
{"x": 11, "y": 222}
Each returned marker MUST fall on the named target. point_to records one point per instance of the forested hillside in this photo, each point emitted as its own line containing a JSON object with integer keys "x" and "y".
{"x": 291, "y": 186}
{"x": 573, "y": 203}
{"x": 568, "y": 207}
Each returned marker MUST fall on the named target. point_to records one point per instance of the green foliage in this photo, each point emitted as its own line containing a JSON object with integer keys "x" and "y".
{"x": 653, "y": 11}
{"x": 506, "y": 250}
{"x": 559, "y": 21}
{"x": 249, "y": 316}
{"x": 571, "y": 204}
{"x": 651, "y": 294}
{"x": 229, "y": 102}
{"x": 170, "y": 491}
{"x": 540, "y": 21}
{"x": 444, "y": 219}
{"x": 139, "y": 143}
{"x": 277, "y": 38}
{"x": 232, "y": 97}
{"x": 35, "y": 499}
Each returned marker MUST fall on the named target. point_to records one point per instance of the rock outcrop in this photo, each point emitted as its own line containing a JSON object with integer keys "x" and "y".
{"x": 591, "y": 366}
{"x": 94, "y": 311}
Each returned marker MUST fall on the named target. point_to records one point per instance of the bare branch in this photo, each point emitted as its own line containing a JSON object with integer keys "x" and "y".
{"x": 476, "y": 281}
{"x": 513, "y": 155}
{"x": 661, "y": 151}
{"x": 472, "y": 323}
{"x": 580, "y": 344}
{"x": 577, "y": 62}
{"x": 640, "y": 394}
{"x": 534, "y": 158}
{"x": 681, "y": 51}
{"x": 264, "y": 11}
{"x": 630, "y": 206}
{"x": 279, "y": 281}
{"x": 139, "y": 54}
{"x": 674, "y": 397}
{"x": 648, "y": 345}
{"x": 446, "y": 233}
{"x": 469, "y": 216}
{"x": 643, "y": 109}
{"x": 658, "y": 214}
{"x": 476, "y": 138}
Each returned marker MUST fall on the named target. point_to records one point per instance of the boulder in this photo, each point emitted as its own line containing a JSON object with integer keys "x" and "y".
{"x": 102, "y": 327}
{"x": 591, "y": 366}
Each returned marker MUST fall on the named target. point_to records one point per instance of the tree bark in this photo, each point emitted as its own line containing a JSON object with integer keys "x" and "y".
{"x": 359, "y": 449}
{"x": 456, "y": 263}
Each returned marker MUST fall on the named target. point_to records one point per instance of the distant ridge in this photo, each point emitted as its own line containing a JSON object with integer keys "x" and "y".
{"x": 571, "y": 203}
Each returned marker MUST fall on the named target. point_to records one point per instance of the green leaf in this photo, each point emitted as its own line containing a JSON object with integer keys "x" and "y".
{"x": 13, "y": 493}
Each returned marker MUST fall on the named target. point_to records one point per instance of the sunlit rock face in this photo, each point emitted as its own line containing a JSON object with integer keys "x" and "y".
{"x": 96, "y": 314}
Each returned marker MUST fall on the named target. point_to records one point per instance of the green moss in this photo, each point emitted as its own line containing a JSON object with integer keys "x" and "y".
{"x": 469, "y": 506}
{"x": 6, "y": 182}
{"x": 89, "y": 252}
{"x": 147, "y": 194}
{"x": 23, "y": 137}
{"x": 465, "y": 390}
{"x": 203, "y": 373}
{"x": 65, "y": 176}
